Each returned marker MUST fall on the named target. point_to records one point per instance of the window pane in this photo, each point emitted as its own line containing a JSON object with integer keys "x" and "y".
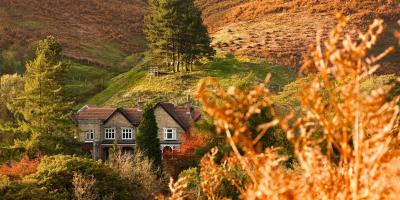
{"x": 109, "y": 133}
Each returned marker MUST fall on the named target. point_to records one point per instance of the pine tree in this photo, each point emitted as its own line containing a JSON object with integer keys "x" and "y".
{"x": 147, "y": 137}
{"x": 176, "y": 34}
{"x": 43, "y": 109}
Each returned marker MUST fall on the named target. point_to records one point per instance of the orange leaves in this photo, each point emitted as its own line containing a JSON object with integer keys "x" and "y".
{"x": 23, "y": 167}
{"x": 357, "y": 128}
{"x": 232, "y": 109}
{"x": 345, "y": 138}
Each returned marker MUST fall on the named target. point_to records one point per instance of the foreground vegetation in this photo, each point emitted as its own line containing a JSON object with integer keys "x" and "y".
{"x": 345, "y": 138}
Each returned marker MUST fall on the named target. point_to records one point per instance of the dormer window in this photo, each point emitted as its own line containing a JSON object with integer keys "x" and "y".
{"x": 127, "y": 133}
{"x": 109, "y": 133}
{"x": 169, "y": 133}
{"x": 89, "y": 135}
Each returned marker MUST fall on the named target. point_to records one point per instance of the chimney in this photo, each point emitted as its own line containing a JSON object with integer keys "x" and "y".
{"x": 140, "y": 104}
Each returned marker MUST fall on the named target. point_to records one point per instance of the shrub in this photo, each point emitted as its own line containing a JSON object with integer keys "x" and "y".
{"x": 138, "y": 171}
{"x": 22, "y": 190}
{"x": 84, "y": 187}
{"x": 23, "y": 167}
{"x": 56, "y": 173}
{"x": 187, "y": 156}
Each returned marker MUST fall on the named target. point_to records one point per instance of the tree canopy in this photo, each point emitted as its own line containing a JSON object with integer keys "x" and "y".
{"x": 42, "y": 111}
{"x": 176, "y": 34}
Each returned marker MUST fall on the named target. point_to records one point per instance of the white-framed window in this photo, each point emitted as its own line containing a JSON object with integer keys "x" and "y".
{"x": 169, "y": 133}
{"x": 109, "y": 133}
{"x": 127, "y": 133}
{"x": 89, "y": 135}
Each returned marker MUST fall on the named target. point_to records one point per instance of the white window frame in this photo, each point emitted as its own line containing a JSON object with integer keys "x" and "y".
{"x": 128, "y": 131}
{"x": 90, "y": 133}
{"x": 108, "y": 131}
{"x": 169, "y": 130}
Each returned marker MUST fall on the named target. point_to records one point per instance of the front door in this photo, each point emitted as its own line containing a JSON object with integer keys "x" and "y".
{"x": 106, "y": 153}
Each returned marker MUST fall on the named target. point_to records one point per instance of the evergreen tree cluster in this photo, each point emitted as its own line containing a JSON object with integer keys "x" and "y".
{"x": 176, "y": 34}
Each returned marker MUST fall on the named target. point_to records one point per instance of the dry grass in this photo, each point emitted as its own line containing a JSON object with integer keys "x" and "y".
{"x": 358, "y": 129}
{"x": 84, "y": 187}
{"x": 282, "y": 30}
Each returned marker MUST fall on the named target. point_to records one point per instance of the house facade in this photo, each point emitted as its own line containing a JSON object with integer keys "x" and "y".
{"x": 102, "y": 128}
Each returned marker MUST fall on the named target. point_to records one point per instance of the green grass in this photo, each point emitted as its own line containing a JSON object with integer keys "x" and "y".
{"x": 233, "y": 69}
{"x": 117, "y": 85}
{"x": 112, "y": 54}
{"x": 108, "y": 53}
{"x": 125, "y": 89}
{"x": 84, "y": 81}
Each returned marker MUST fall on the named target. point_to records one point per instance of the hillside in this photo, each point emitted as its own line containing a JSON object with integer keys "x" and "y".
{"x": 282, "y": 30}
{"x": 127, "y": 88}
{"x": 97, "y": 32}
{"x": 110, "y": 33}
{"x": 105, "y": 38}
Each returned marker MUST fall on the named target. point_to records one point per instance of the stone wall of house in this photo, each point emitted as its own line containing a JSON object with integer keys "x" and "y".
{"x": 119, "y": 121}
{"x": 164, "y": 120}
{"x": 95, "y": 125}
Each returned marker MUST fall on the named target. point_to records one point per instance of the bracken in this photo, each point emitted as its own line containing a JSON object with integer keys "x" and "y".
{"x": 356, "y": 154}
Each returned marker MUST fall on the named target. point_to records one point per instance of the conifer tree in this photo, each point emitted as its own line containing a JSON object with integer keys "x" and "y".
{"x": 176, "y": 34}
{"x": 147, "y": 137}
{"x": 44, "y": 111}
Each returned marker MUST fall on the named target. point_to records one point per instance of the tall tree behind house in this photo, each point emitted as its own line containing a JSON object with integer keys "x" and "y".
{"x": 176, "y": 34}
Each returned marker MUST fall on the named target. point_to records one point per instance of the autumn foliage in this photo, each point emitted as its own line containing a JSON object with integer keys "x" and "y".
{"x": 345, "y": 139}
{"x": 19, "y": 169}
{"x": 175, "y": 161}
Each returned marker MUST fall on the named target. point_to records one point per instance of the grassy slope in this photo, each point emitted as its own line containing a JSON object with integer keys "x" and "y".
{"x": 127, "y": 88}
{"x": 84, "y": 81}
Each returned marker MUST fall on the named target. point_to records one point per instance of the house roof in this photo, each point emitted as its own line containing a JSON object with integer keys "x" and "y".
{"x": 132, "y": 115}
{"x": 178, "y": 113}
{"x": 104, "y": 114}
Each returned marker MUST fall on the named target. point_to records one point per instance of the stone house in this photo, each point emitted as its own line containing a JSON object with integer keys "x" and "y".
{"x": 104, "y": 127}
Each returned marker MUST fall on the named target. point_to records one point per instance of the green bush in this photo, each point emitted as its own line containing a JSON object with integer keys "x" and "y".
{"x": 55, "y": 173}
{"x": 21, "y": 190}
